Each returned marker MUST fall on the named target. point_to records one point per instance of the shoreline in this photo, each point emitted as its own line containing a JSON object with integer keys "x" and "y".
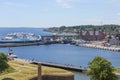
{"x": 98, "y": 45}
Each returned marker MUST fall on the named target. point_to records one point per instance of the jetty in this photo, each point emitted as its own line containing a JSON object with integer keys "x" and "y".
{"x": 56, "y": 65}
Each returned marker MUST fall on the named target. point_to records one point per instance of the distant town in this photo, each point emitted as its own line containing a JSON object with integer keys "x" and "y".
{"x": 98, "y": 36}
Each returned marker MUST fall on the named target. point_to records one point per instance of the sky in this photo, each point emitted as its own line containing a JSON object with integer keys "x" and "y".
{"x": 56, "y": 13}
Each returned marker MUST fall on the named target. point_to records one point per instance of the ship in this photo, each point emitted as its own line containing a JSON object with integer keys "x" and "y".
{"x": 20, "y": 37}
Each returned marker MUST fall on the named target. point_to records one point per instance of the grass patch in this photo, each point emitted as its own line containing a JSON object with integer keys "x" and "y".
{"x": 117, "y": 70}
{"x": 8, "y": 70}
{"x": 25, "y": 71}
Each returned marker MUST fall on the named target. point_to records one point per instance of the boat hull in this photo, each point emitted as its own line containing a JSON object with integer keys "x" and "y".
{"x": 18, "y": 41}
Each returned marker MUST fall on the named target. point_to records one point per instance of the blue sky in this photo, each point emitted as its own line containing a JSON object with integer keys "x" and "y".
{"x": 53, "y": 13}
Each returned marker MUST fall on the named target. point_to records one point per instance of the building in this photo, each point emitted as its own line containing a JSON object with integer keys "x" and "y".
{"x": 92, "y": 35}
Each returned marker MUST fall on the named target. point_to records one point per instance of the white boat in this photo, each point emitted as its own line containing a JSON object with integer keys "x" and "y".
{"x": 20, "y": 37}
{"x": 10, "y": 54}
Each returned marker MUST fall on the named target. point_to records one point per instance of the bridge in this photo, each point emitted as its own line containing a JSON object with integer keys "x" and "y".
{"x": 62, "y": 66}
{"x": 56, "y": 65}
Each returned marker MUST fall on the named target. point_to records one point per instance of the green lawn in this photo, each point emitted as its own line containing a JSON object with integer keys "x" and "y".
{"x": 25, "y": 71}
{"x": 117, "y": 70}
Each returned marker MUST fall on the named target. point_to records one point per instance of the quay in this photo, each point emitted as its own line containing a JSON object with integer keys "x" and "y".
{"x": 20, "y": 44}
{"x": 56, "y": 65}
{"x": 27, "y": 44}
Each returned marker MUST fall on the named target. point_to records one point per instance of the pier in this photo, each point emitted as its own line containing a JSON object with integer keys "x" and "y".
{"x": 56, "y": 65}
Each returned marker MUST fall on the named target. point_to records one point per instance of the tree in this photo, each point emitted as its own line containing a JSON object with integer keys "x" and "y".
{"x": 3, "y": 62}
{"x": 101, "y": 69}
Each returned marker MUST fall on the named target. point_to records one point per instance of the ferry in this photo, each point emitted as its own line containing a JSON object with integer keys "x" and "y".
{"x": 20, "y": 37}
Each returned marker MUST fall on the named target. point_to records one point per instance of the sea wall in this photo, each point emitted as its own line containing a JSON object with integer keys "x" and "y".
{"x": 27, "y": 44}
{"x": 49, "y": 77}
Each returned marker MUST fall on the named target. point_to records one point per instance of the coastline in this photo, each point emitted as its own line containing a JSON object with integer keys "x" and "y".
{"x": 98, "y": 45}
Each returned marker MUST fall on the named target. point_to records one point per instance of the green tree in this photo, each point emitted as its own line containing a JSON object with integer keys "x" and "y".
{"x": 101, "y": 69}
{"x": 3, "y": 62}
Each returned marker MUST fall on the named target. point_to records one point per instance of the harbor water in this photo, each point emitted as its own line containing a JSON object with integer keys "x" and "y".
{"x": 59, "y": 53}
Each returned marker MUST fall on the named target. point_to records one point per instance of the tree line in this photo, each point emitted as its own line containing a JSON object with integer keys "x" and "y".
{"x": 76, "y": 29}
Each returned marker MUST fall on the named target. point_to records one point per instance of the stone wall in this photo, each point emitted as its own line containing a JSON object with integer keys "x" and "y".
{"x": 47, "y": 77}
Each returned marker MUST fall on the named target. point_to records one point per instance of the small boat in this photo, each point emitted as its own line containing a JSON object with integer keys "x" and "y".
{"x": 11, "y": 55}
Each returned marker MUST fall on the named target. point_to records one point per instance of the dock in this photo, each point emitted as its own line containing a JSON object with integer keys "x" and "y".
{"x": 56, "y": 65}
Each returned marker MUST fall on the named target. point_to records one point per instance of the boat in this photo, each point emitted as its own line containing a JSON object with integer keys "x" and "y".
{"x": 11, "y": 55}
{"x": 20, "y": 37}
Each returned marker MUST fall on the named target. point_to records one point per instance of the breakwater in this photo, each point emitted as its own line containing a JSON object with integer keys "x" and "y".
{"x": 20, "y": 44}
{"x": 26, "y": 44}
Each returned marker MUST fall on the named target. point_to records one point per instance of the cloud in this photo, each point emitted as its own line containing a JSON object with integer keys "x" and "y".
{"x": 13, "y": 4}
{"x": 65, "y": 3}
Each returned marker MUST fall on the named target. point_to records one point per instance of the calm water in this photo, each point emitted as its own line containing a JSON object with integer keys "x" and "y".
{"x": 59, "y": 53}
